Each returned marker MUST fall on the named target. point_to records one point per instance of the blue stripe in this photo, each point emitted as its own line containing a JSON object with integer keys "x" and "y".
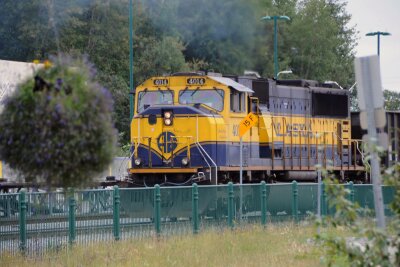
{"x": 227, "y": 154}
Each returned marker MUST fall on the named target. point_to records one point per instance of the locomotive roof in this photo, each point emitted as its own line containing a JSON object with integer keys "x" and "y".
{"x": 231, "y": 83}
{"x": 194, "y": 79}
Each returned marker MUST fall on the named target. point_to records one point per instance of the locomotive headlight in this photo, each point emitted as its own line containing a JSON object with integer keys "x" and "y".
{"x": 168, "y": 122}
{"x": 185, "y": 161}
{"x": 167, "y": 115}
{"x": 138, "y": 161}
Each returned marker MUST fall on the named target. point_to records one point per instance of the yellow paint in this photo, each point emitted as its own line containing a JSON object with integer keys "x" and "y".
{"x": 1, "y": 169}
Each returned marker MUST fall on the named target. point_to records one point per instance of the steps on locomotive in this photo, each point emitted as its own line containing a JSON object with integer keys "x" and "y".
{"x": 346, "y": 155}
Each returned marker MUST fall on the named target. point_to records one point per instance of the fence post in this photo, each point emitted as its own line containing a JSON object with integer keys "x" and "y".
{"x": 22, "y": 220}
{"x": 230, "y": 204}
{"x": 157, "y": 209}
{"x": 323, "y": 200}
{"x": 195, "y": 208}
{"x": 71, "y": 220}
{"x": 295, "y": 204}
{"x": 116, "y": 204}
{"x": 263, "y": 203}
{"x": 351, "y": 187}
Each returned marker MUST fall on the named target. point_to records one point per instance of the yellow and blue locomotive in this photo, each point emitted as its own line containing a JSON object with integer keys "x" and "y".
{"x": 186, "y": 129}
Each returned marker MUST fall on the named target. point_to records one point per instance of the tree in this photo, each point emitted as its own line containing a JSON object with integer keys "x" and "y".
{"x": 392, "y": 100}
{"x": 101, "y": 31}
{"x": 221, "y": 33}
{"x": 320, "y": 43}
{"x": 225, "y": 36}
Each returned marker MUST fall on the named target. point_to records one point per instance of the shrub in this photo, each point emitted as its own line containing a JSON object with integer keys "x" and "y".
{"x": 57, "y": 129}
{"x": 368, "y": 245}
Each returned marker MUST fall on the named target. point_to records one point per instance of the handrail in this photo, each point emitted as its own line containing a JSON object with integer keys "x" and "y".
{"x": 355, "y": 141}
{"x": 205, "y": 152}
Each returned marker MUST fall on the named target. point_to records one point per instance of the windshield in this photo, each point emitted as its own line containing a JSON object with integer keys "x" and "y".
{"x": 212, "y": 98}
{"x": 151, "y": 98}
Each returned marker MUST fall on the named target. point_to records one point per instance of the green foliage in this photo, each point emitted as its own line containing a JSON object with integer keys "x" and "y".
{"x": 392, "y": 100}
{"x": 226, "y": 36}
{"x": 59, "y": 131}
{"x": 369, "y": 246}
{"x": 319, "y": 44}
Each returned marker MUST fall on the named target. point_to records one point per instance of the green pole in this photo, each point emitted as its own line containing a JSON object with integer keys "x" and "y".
{"x": 130, "y": 60}
{"x": 157, "y": 209}
{"x": 351, "y": 187}
{"x": 116, "y": 204}
{"x": 22, "y": 220}
{"x": 230, "y": 204}
{"x": 295, "y": 204}
{"x": 379, "y": 41}
{"x": 72, "y": 220}
{"x": 378, "y": 35}
{"x": 275, "y": 48}
{"x": 195, "y": 208}
{"x": 263, "y": 203}
{"x": 323, "y": 200}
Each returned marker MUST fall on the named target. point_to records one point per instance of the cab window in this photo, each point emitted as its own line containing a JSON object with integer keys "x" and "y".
{"x": 237, "y": 101}
{"x": 213, "y": 98}
{"x": 152, "y": 98}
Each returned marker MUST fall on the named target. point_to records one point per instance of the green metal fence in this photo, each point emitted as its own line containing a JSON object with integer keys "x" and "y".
{"x": 33, "y": 223}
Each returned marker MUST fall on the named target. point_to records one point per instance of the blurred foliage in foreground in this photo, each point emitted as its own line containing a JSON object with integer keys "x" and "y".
{"x": 57, "y": 128}
{"x": 367, "y": 245}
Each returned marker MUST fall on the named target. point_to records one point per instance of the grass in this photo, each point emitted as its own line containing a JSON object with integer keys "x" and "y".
{"x": 283, "y": 245}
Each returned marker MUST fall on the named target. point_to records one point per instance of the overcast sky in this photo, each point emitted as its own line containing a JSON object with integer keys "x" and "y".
{"x": 379, "y": 15}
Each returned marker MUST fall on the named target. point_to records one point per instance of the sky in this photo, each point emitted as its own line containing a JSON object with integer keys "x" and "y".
{"x": 384, "y": 16}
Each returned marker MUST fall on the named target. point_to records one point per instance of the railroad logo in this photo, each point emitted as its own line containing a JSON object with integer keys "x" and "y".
{"x": 167, "y": 142}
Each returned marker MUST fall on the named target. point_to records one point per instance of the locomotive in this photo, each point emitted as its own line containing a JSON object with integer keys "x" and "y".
{"x": 185, "y": 129}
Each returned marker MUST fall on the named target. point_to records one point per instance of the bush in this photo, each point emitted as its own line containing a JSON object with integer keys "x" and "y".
{"x": 57, "y": 129}
{"x": 368, "y": 245}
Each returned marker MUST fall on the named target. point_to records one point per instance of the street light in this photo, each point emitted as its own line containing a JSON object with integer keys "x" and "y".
{"x": 275, "y": 18}
{"x": 284, "y": 72}
{"x": 379, "y": 37}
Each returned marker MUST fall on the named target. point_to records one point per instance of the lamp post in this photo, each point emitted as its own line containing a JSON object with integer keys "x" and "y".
{"x": 275, "y": 19}
{"x": 379, "y": 37}
{"x": 130, "y": 61}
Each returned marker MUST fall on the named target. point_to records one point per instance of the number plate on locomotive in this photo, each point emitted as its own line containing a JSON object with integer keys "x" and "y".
{"x": 161, "y": 82}
{"x": 195, "y": 81}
